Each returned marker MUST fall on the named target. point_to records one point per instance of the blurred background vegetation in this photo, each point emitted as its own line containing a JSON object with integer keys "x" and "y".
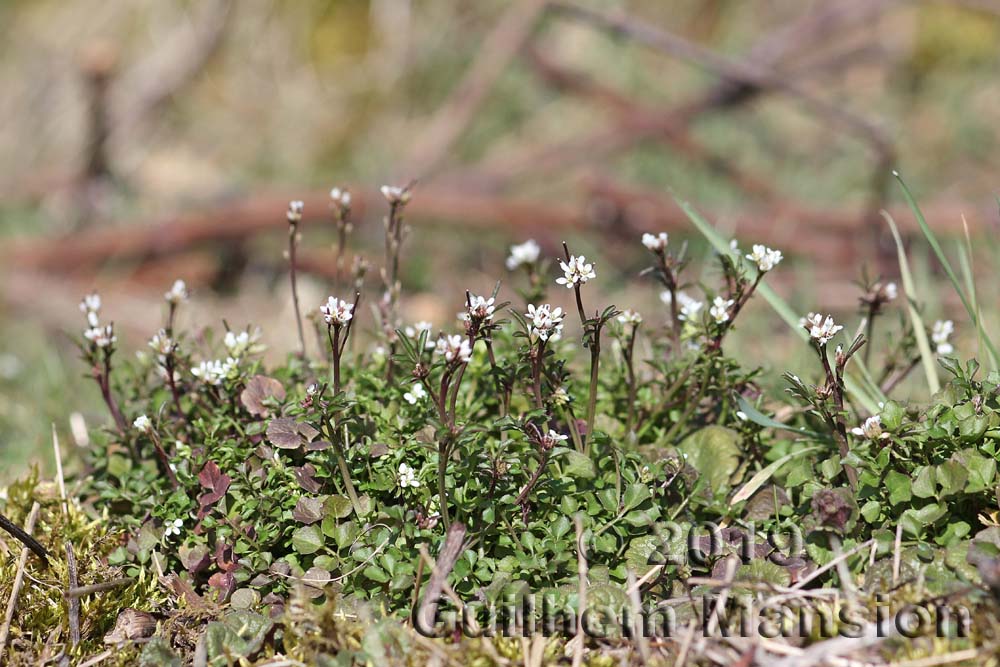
{"x": 145, "y": 140}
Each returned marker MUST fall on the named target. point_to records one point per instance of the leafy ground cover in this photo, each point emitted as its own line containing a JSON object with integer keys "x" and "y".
{"x": 313, "y": 511}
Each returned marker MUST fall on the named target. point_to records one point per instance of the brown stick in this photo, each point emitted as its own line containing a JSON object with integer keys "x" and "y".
{"x": 15, "y": 590}
{"x": 72, "y": 602}
{"x": 25, "y": 538}
{"x": 446, "y": 559}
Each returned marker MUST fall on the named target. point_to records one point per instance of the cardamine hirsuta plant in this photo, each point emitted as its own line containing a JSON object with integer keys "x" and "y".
{"x": 332, "y": 470}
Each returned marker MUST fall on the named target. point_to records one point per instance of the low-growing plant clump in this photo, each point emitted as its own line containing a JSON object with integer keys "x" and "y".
{"x": 588, "y": 455}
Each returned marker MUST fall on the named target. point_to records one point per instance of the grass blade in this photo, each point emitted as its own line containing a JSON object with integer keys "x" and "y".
{"x": 779, "y": 305}
{"x": 949, "y": 271}
{"x": 965, "y": 259}
{"x": 765, "y": 474}
{"x": 919, "y": 330}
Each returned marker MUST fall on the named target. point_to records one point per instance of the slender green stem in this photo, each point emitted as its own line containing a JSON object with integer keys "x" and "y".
{"x": 442, "y": 484}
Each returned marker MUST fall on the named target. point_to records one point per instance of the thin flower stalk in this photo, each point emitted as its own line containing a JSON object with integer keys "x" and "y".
{"x": 294, "y": 216}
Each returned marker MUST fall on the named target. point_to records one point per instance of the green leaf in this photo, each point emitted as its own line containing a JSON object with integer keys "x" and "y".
{"x": 952, "y": 478}
{"x": 899, "y": 487}
{"x": 635, "y": 495}
{"x": 714, "y": 451}
{"x": 923, "y": 482}
{"x": 576, "y": 464}
{"x": 871, "y": 510}
{"x": 307, "y": 539}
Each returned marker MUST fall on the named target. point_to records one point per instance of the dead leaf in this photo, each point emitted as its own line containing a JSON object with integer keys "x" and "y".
{"x": 259, "y": 389}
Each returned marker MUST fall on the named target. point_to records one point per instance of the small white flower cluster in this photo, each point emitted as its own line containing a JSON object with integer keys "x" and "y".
{"x": 419, "y": 327}
{"x": 143, "y": 424}
{"x": 178, "y": 293}
{"x": 544, "y": 322}
{"x": 891, "y": 291}
{"x": 561, "y": 397}
{"x": 577, "y": 270}
{"x": 395, "y": 195}
{"x": 101, "y": 336}
{"x": 161, "y": 343}
{"x": 243, "y": 343}
{"x": 552, "y": 438}
{"x": 821, "y": 330}
{"x": 173, "y": 528}
{"x": 655, "y": 242}
{"x": 216, "y": 371}
{"x": 340, "y": 198}
{"x": 871, "y": 429}
{"x": 454, "y": 347}
{"x": 294, "y": 214}
{"x": 416, "y": 394}
{"x": 940, "y": 333}
{"x": 765, "y": 258}
{"x": 407, "y": 477}
{"x": 690, "y": 307}
{"x": 337, "y": 312}
{"x": 630, "y": 317}
{"x": 523, "y": 254}
{"x": 91, "y": 308}
{"x": 720, "y": 309}
{"x": 480, "y": 308}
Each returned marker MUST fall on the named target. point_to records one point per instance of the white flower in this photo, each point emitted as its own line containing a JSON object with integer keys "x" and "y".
{"x": 820, "y": 330}
{"x": 91, "y": 304}
{"x": 239, "y": 344}
{"x": 178, "y": 292}
{"x": 734, "y": 247}
{"x": 765, "y": 258}
{"x": 720, "y": 309}
{"x": 891, "y": 291}
{"x": 294, "y": 214}
{"x": 214, "y": 372}
{"x": 525, "y": 253}
{"x": 481, "y": 308}
{"x": 577, "y": 270}
{"x": 545, "y": 322}
{"x": 161, "y": 342}
{"x": 742, "y": 416}
{"x": 630, "y": 317}
{"x": 340, "y": 198}
{"x": 173, "y": 528}
{"x": 871, "y": 429}
{"x": 101, "y": 336}
{"x": 689, "y": 307}
{"x": 417, "y": 328}
{"x": 655, "y": 242}
{"x": 455, "y": 347}
{"x": 143, "y": 424}
{"x": 337, "y": 311}
{"x": 415, "y": 394}
{"x": 941, "y": 332}
{"x": 553, "y": 438}
{"x": 395, "y": 194}
{"x": 407, "y": 477}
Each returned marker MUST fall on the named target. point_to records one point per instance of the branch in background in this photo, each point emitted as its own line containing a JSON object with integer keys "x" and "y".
{"x": 458, "y": 112}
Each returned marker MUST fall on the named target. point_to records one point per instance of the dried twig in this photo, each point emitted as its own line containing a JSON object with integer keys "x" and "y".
{"x": 22, "y": 563}
{"x": 440, "y": 570}
{"x": 72, "y": 601}
{"x": 25, "y": 538}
